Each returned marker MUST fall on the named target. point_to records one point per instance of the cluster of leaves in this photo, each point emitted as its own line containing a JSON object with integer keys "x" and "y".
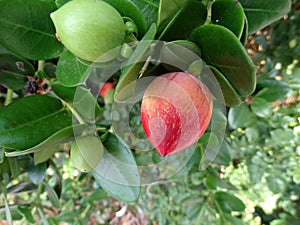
{"x": 34, "y": 127}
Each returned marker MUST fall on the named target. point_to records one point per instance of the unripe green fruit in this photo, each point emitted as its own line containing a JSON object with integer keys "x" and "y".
{"x": 90, "y": 29}
{"x": 86, "y": 152}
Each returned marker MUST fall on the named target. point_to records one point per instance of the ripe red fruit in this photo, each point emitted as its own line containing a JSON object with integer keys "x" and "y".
{"x": 176, "y": 110}
{"x": 106, "y": 88}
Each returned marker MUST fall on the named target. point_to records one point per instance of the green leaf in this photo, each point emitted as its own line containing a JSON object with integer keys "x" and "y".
{"x": 117, "y": 173}
{"x": 255, "y": 171}
{"x": 49, "y": 70}
{"x": 223, "y": 50}
{"x": 222, "y": 89}
{"x": 134, "y": 64}
{"x": 240, "y": 117}
{"x": 65, "y": 93}
{"x": 43, "y": 155}
{"x": 224, "y": 12}
{"x": 13, "y": 71}
{"x": 60, "y": 3}
{"x": 14, "y": 167}
{"x": 86, "y": 105}
{"x": 167, "y": 10}
{"x": 272, "y": 90}
{"x": 127, "y": 9}
{"x": 26, "y": 212}
{"x": 280, "y": 137}
{"x": 244, "y": 35}
{"x": 262, "y": 13}
{"x": 211, "y": 182}
{"x": 224, "y": 156}
{"x": 27, "y": 30}
{"x": 183, "y": 21}
{"x": 70, "y": 71}
{"x": 229, "y": 202}
{"x": 37, "y": 173}
{"x": 149, "y": 9}
{"x": 38, "y": 117}
{"x": 21, "y": 187}
{"x": 261, "y": 107}
{"x": 276, "y": 183}
{"x": 82, "y": 100}
{"x": 8, "y": 215}
{"x": 46, "y": 147}
{"x": 179, "y": 55}
{"x": 232, "y": 220}
{"x": 52, "y": 196}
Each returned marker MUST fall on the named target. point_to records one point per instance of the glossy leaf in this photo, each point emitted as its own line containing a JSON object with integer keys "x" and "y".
{"x": 131, "y": 70}
{"x": 37, "y": 118}
{"x": 149, "y": 9}
{"x": 261, "y": 107}
{"x": 62, "y": 136}
{"x": 70, "y": 71}
{"x": 117, "y": 173}
{"x": 186, "y": 18}
{"x": 13, "y": 71}
{"x": 223, "y": 50}
{"x": 229, "y": 202}
{"x": 49, "y": 70}
{"x": 32, "y": 38}
{"x": 245, "y": 33}
{"x": 228, "y": 94}
{"x": 240, "y": 117}
{"x": 262, "y": 13}
{"x": 37, "y": 173}
{"x": 167, "y": 10}
{"x": 229, "y": 14}
{"x": 272, "y": 90}
{"x": 179, "y": 55}
{"x": 64, "y": 92}
{"x": 127, "y": 9}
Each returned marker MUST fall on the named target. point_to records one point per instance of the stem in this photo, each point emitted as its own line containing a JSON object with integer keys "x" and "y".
{"x": 75, "y": 113}
{"x": 208, "y": 18}
{"x": 41, "y": 65}
{"x": 38, "y": 200}
{"x": 9, "y": 97}
{"x": 201, "y": 211}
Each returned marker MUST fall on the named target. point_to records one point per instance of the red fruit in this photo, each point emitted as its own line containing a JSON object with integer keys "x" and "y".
{"x": 176, "y": 110}
{"x": 106, "y": 88}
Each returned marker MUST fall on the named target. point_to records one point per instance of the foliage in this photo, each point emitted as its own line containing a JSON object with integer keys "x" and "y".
{"x": 60, "y": 103}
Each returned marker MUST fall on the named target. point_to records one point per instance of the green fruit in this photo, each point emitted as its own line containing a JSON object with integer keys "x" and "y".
{"x": 86, "y": 152}
{"x": 90, "y": 29}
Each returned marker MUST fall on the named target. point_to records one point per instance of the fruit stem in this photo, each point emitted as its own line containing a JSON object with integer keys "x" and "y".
{"x": 41, "y": 65}
{"x": 208, "y": 18}
{"x": 9, "y": 97}
{"x": 74, "y": 112}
